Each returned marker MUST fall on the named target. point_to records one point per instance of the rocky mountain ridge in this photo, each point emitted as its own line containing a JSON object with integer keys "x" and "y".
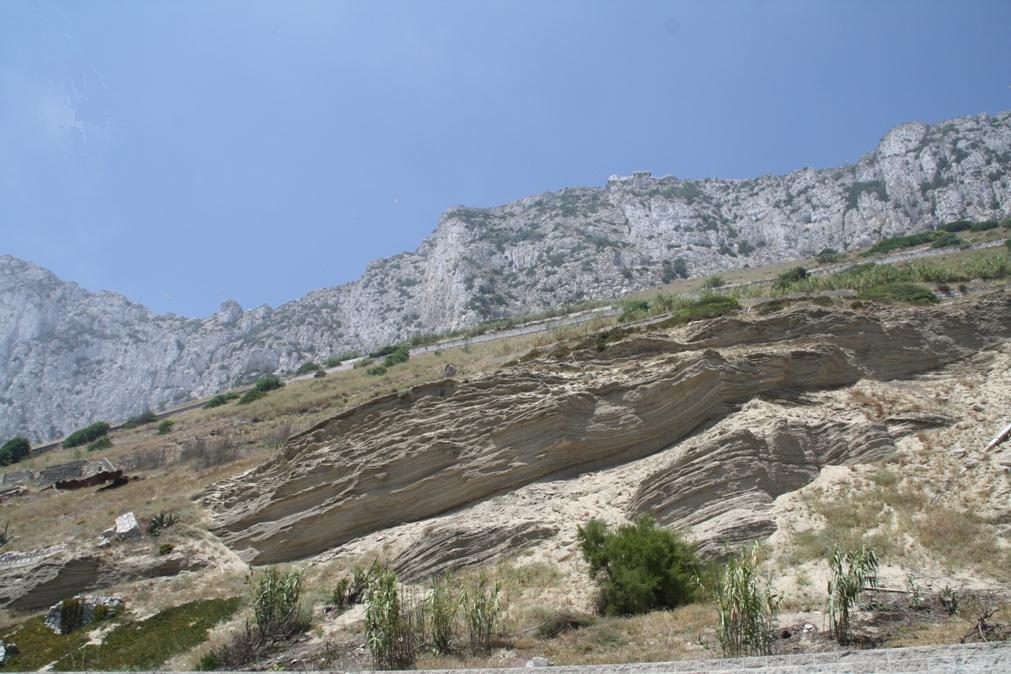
{"x": 72, "y": 356}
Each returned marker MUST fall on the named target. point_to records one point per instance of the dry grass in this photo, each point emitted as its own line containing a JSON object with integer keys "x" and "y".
{"x": 208, "y": 445}
{"x": 906, "y": 512}
{"x": 686, "y": 632}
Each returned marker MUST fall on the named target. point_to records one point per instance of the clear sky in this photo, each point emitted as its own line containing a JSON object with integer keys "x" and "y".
{"x": 188, "y": 152}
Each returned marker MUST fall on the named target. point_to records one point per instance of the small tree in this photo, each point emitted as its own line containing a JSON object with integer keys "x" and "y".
{"x": 14, "y": 450}
{"x": 268, "y": 383}
{"x": 849, "y": 574}
{"x": 88, "y": 434}
{"x": 639, "y": 567}
{"x": 307, "y": 367}
{"x": 791, "y": 276}
{"x": 828, "y": 256}
{"x": 747, "y": 608}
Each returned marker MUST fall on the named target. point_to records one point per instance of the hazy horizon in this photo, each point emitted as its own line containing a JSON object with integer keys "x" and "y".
{"x": 185, "y": 154}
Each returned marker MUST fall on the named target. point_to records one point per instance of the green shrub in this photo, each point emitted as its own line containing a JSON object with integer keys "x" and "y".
{"x": 252, "y": 395}
{"x": 563, "y": 621}
{"x": 351, "y": 591}
{"x": 791, "y": 276}
{"x": 277, "y": 617}
{"x": 14, "y": 450}
{"x": 747, "y": 608}
{"x": 828, "y": 256}
{"x": 676, "y": 268}
{"x": 165, "y": 548}
{"x": 900, "y": 242}
{"x": 376, "y": 371}
{"x": 909, "y": 293}
{"x": 392, "y": 631}
{"x": 482, "y": 608}
{"x": 957, "y": 226}
{"x": 947, "y": 240}
{"x": 364, "y": 362}
{"x": 163, "y": 520}
{"x": 100, "y": 444}
{"x": 384, "y": 351}
{"x": 71, "y": 615}
{"x": 714, "y": 282}
{"x": 639, "y": 567}
{"x": 849, "y": 574}
{"x": 633, "y": 310}
{"x": 145, "y": 417}
{"x": 221, "y": 399}
{"x": 320, "y": 374}
{"x": 277, "y": 607}
{"x": 268, "y": 383}
{"x": 307, "y": 367}
{"x": 984, "y": 226}
{"x": 6, "y": 536}
{"x": 85, "y": 435}
{"x": 1007, "y": 244}
{"x": 444, "y": 607}
{"x": 165, "y": 427}
{"x": 334, "y": 361}
{"x": 399, "y": 355}
{"x": 709, "y": 306}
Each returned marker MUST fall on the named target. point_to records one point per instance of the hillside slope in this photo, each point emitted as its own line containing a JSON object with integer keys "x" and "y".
{"x": 72, "y": 356}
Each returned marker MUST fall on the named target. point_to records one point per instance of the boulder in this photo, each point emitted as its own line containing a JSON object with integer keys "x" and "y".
{"x": 67, "y": 615}
{"x": 6, "y": 651}
{"x": 127, "y": 527}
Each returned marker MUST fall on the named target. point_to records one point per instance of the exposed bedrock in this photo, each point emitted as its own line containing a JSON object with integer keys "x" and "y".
{"x": 724, "y": 487}
{"x": 37, "y": 581}
{"x": 443, "y": 445}
{"x": 454, "y": 548}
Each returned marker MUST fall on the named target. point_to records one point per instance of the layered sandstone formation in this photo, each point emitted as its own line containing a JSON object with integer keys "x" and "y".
{"x": 448, "y": 444}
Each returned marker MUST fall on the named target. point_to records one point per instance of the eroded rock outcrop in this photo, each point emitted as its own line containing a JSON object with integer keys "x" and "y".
{"x": 454, "y": 548}
{"x": 30, "y": 581}
{"x": 724, "y": 486}
{"x": 442, "y": 445}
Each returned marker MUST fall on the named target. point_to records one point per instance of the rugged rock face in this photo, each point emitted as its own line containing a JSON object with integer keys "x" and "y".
{"x": 730, "y": 482}
{"x": 443, "y": 445}
{"x": 38, "y": 580}
{"x": 72, "y": 356}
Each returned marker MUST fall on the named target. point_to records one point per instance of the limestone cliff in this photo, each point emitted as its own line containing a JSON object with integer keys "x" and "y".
{"x": 71, "y": 357}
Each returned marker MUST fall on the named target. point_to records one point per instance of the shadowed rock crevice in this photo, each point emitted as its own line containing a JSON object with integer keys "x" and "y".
{"x": 439, "y": 447}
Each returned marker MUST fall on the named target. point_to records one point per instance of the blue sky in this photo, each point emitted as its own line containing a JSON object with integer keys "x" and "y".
{"x": 187, "y": 152}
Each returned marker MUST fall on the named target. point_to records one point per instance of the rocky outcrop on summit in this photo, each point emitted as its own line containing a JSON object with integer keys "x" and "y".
{"x": 72, "y": 356}
{"x": 447, "y": 444}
